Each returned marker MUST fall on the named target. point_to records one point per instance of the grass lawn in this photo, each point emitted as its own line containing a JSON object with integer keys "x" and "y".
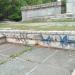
{"x": 51, "y": 20}
{"x": 35, "y": 26}
{"x": 62, "y": 20}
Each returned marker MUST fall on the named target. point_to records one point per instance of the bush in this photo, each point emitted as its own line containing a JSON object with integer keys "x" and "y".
{"x": 15, "y": 16}
{"x": 1, "y": 17}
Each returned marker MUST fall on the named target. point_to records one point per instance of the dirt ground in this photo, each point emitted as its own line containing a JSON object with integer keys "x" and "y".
{"x": 38, "y": 61}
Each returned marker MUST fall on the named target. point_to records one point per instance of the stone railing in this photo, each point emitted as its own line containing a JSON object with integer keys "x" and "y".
{"x": 56, "y": 39}
{"x": 52, "y": 4}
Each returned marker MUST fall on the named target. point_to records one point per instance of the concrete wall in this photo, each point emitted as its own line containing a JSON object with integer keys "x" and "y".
{"x": 2, "y": 39}
{"x": 29, "y": 14}
{"x": 53, "y": 11}
{"x": 56, "y": 39}
{"x": 32, "y": 14}
{"x": 70, "y": 6}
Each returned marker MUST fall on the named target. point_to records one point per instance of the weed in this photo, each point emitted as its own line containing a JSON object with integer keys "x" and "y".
{"x": 21, "y": 52}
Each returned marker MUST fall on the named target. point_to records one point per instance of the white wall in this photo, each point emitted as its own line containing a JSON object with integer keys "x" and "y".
{"x": 56, "y": 39}
{"x": 70, "y": 6}
{"x": 31, "y": 14}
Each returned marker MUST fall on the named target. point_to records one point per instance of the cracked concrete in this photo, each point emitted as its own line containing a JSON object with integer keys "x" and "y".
{"x": 38, "y": 61}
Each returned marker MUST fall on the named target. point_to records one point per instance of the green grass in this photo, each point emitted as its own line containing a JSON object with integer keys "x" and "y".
{"x": 27, "y": 48}
{"x": 35, "y": 26}
{"x": 51, "y": 20}
{"x": 2, "y": 61}
{"x": 62, "y": 20}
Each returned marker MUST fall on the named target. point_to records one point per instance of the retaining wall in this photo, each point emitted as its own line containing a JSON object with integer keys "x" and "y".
{"x": 56, "y": 39}
{"x": 2, "y": 39}
{"x": 33, "y": 12}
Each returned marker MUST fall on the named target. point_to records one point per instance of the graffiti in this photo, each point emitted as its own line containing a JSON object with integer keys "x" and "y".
{"x": 71, "y": 39}
{"x": 23, "y": 37}
{"x": 55, "y": 38}
{"x": 52, "y": 39}
{"x": 64, "y": 40}
{"x": 67, "y": 40}
{"x": 46, "y": 39}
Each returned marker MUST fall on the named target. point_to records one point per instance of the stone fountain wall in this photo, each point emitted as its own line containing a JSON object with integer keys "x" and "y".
{"x": 56, "y": 39}
{"x": 2, "y": 39}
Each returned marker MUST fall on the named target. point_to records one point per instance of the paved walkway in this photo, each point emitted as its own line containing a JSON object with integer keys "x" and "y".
{"x": 39, "y": 61}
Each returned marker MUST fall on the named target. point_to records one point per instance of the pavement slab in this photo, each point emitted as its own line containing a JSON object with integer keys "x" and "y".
{"x": 37, "y": 54}
{"x": 63, "y": 59}
{"x": 38, "y": 61}
{"x": 10, "y": 49}
{"x": 44, "y": 69}
{"x": 16, "y": 67}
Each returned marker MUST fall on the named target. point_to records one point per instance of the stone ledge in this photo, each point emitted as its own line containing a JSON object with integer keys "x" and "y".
{"x": 56, "y": 39}
{"x": 2, "y": 39}
{"x": 47, "y": 5}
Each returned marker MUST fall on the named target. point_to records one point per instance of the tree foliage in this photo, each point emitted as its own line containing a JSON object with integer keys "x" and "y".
{"x": 10, "y": 9}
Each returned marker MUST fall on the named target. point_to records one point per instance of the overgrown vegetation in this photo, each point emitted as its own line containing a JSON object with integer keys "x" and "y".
{"x": 62, "y": 20}
{"x": 37, "y": 26}
{"x": 2, "y": 61}
{"x": 63, "y": 7}
{"x": 28, "y": 48}
{"x": 10, "y": 9}
{"x": 38, "y": 20}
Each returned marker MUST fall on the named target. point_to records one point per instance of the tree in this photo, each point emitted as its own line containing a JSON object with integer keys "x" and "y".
{"x": 10, "y": 9}
{"x": 2, "y": 9}
{"x": 15, "y": 13}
